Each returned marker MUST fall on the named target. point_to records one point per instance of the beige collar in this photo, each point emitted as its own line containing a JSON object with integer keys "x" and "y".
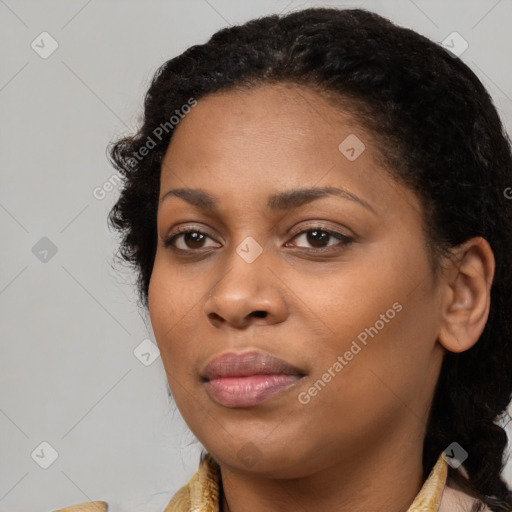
{"x": 201, "y": 493}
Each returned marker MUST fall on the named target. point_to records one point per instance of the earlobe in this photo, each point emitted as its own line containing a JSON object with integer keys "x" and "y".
{"x": 466, "y": 295}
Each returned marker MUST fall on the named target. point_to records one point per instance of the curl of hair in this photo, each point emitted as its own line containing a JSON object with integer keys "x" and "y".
{"x": 435, "y": 129}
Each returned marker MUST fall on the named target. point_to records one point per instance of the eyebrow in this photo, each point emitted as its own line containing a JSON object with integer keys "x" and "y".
{"x": 282, "y": 201}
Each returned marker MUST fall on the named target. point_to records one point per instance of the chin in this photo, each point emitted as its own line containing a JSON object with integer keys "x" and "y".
{"x": 258, "y": 456}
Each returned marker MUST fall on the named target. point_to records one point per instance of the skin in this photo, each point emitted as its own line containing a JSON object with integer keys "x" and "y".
{"x": 357, "y": 444}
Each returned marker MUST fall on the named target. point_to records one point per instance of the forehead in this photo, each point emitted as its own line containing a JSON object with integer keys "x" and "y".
{"x": 269, "y": 129}
{"x": 245, "y": 145}
{"x": 280, "y": 112}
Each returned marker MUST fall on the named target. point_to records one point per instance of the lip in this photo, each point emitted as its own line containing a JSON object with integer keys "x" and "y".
{"x": 248, "y": 378}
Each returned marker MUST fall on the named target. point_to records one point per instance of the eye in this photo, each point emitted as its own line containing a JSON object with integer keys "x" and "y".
{"x": 189, "y": 239}
{"x": 319, "y": 238}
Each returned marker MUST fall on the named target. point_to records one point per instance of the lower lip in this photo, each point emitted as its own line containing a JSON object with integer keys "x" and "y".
{"x": 250, "y": 390}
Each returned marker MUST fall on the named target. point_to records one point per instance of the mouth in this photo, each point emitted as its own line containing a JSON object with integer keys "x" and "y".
{"x": 248, "y": 379}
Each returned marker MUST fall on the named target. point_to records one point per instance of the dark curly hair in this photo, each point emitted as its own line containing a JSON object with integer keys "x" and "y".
{"x": 448, "y": 146}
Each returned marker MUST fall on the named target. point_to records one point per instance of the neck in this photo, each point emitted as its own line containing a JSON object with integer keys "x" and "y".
{"x": 379, "y": 479}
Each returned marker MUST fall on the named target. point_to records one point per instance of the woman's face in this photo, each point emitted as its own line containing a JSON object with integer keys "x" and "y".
{"x": 337, "y": 285}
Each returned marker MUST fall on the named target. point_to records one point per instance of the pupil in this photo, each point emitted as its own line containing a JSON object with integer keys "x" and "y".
{"x": 194, "y": 239}
{"x": 315, "y": 238}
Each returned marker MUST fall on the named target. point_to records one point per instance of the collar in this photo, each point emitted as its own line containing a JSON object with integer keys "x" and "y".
{"x": 201, "y": 493}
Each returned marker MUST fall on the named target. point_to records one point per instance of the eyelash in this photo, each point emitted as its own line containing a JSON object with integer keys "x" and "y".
{"x": 344, "y": 240}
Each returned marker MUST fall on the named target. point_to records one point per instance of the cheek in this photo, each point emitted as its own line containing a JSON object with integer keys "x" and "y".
{"x": 160, "y": 304}
{"x": 382, "y": 324}
{"x": 164, "y": 311}
{"x": 379, "y": 384}
{"x": 173, "y": 308}
{"x": 170, "y": 297}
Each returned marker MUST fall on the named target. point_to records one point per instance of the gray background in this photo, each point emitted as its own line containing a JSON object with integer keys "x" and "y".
{"x": 70, "y": 322}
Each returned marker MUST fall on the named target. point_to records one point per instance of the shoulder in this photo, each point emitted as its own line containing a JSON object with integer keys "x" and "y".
{"x": 148, "y": 502}
{"x": 90, "y": 506}
{"x": 455, "y": 500}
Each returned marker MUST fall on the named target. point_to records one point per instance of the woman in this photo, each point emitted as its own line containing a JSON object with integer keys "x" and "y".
{"x": 316, "y": 206}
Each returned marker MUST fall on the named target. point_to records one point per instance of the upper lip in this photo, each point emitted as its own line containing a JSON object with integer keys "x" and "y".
{"x": 232, "y": 364}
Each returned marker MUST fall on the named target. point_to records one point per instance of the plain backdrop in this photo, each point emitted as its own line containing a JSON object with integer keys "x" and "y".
{"x": 71, "y": 328}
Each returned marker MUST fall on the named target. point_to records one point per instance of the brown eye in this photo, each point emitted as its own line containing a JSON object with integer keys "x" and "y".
{"x": 187, "y": 240}
{"x": 193, "y": 239}
{"x": 317, "y": 238}
{"x": 320, "y": 238}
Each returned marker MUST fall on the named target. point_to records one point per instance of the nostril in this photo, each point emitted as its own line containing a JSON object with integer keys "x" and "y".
{"x": 260, "y": 314}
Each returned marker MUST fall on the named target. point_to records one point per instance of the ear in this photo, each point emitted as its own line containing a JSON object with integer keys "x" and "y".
{"x": 466, "y": 294}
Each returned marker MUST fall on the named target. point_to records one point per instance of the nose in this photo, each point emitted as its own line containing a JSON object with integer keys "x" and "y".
{"x": 246, "y": 294}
